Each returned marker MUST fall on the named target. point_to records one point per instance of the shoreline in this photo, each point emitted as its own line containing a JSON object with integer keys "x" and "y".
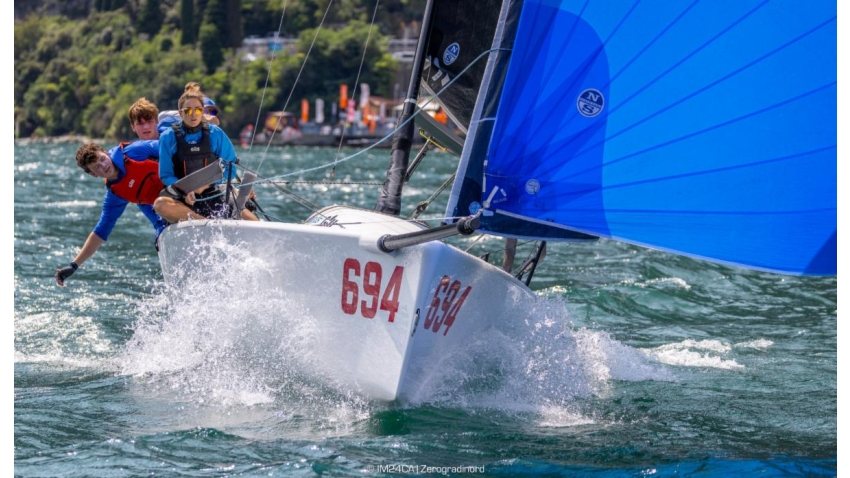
{"x": 67, "y": 138}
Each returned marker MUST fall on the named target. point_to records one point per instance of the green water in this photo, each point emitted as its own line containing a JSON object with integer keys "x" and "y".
{"x": 632, "y": 363}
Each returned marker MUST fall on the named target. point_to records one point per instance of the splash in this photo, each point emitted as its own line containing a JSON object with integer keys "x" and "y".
{"x": 220, "y": 331}
{"x": 541, "y": 365}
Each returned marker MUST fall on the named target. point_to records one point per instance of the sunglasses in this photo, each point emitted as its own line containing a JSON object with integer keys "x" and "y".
{"x": 190, "y": 111}
{"x": 211, "y": 111}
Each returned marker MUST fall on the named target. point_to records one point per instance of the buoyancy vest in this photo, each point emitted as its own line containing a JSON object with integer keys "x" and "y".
{"x": 141, "y": 183}
{"x": 192, "y": 157}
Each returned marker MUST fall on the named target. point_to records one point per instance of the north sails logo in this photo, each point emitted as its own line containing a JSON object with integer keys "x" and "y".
{"x": 451, "y": 54}
{"x": 590, "y": 102}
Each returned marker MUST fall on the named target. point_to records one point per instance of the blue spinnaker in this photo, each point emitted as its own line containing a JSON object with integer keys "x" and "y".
{"x": 701, "y": 128}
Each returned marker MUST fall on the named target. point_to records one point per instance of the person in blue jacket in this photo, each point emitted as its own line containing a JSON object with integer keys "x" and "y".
{"x": 189, "y": 146}
{"x": 130, "y": 174}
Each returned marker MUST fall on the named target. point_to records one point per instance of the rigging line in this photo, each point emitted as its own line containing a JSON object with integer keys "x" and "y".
{"x": 298, "y": 77}
{"x": 268, "y": 75}
{"x": 399, "y": 126}
{"x": 356, "y": 82}
{"x": 297, "y": 198}
{"x": 473, "y": 243}
{"x": 420, "y": 208}
{"x": 336, "y": 183}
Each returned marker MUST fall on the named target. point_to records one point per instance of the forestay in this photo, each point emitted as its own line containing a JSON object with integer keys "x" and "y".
{"x": 686, "y": 127}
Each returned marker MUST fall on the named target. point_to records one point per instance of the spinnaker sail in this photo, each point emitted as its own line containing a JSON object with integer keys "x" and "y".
{"x": 704, "y": 131}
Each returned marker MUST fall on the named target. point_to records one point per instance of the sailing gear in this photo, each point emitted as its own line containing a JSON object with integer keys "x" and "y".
{"x": 140, "y": 183}
{"x": 184, "y": 151}
{"x": 192, "y": 157}
{"x": 114, "y": 205}
{"x": 219, "y": 143}
{"x": 64, "y": 273}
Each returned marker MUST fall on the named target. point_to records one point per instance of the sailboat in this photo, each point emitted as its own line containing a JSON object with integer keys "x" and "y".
{"x": 681, "y": 126}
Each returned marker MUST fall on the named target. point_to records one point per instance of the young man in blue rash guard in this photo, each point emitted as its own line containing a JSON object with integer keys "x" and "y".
{"x": 187, "y": 147}
{"x": 122, "y": 187}
{"x": 131, "y": 174}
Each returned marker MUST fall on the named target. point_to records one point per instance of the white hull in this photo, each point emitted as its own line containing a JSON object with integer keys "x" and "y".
{"x": 442, "y": 296}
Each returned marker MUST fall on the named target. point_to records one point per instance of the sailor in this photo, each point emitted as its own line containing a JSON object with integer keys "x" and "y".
{"x": 211, "y": 111}
{"x": 189, "y": 146}
{"x": 131, "y": 174}
{"x": 143, "y": 119}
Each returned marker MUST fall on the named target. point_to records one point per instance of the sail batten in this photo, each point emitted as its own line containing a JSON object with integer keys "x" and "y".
{"x": 688, "y": 128}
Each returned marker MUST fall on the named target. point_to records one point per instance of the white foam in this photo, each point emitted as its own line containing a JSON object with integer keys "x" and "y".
{"x": 760, "y": 344}
{"x": 559, "y": 417}
{"x": 663, "y": 282}
{"x": 61, "y": 338}
{"x": 695, "y": 353}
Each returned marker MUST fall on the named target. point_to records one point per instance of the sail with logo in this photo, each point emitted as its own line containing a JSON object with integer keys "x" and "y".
{"x": 704, "y": 131}
{"x": 451, "y": 72}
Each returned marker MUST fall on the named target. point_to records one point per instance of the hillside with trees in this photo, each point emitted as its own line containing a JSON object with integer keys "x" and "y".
{"x": 79, "y": 64}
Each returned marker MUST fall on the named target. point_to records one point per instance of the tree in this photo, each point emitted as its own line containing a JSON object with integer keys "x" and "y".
{"x": 212, "y": 34}
{"x": 187, "y": 22}
{"x": 233, "y": 24}
{"x": 150, "y": 21}
{"x": 211, "y": 46}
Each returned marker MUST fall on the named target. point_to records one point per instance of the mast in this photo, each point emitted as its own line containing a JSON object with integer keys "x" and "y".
{"x": 390, "y": 199}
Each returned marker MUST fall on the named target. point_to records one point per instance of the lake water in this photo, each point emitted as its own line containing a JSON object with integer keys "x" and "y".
{"x": 634, "y": 362}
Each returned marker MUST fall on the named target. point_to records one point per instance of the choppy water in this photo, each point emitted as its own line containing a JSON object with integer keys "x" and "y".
{"x": 630, "y": 363}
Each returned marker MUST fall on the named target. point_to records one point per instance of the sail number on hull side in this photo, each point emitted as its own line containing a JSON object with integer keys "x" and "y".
{"x": 370, "y": 287}
{"x": 445, "y": 305}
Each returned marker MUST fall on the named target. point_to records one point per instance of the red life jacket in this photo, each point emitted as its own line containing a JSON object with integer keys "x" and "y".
{"x": 140, "y": 184}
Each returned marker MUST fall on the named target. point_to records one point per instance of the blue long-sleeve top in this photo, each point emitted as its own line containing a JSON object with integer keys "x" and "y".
{"x": 113, "y": 206}
{"x": 219, "y": 143}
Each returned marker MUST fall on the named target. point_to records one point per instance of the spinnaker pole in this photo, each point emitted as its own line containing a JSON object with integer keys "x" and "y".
{"x": 390, "y": 199}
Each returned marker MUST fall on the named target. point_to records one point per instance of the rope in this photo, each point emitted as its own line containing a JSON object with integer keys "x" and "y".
{"x": 266, "y": 84}
{"x": 327, "y": 182}
{"x": 356, "y": 82}
{"x": 398, "y": 127}
{"x": 295, "y": 83}
{"x": 420, "y": 208}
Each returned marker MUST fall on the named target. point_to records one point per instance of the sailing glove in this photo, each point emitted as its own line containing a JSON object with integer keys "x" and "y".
{"x": 65, "y": 272}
